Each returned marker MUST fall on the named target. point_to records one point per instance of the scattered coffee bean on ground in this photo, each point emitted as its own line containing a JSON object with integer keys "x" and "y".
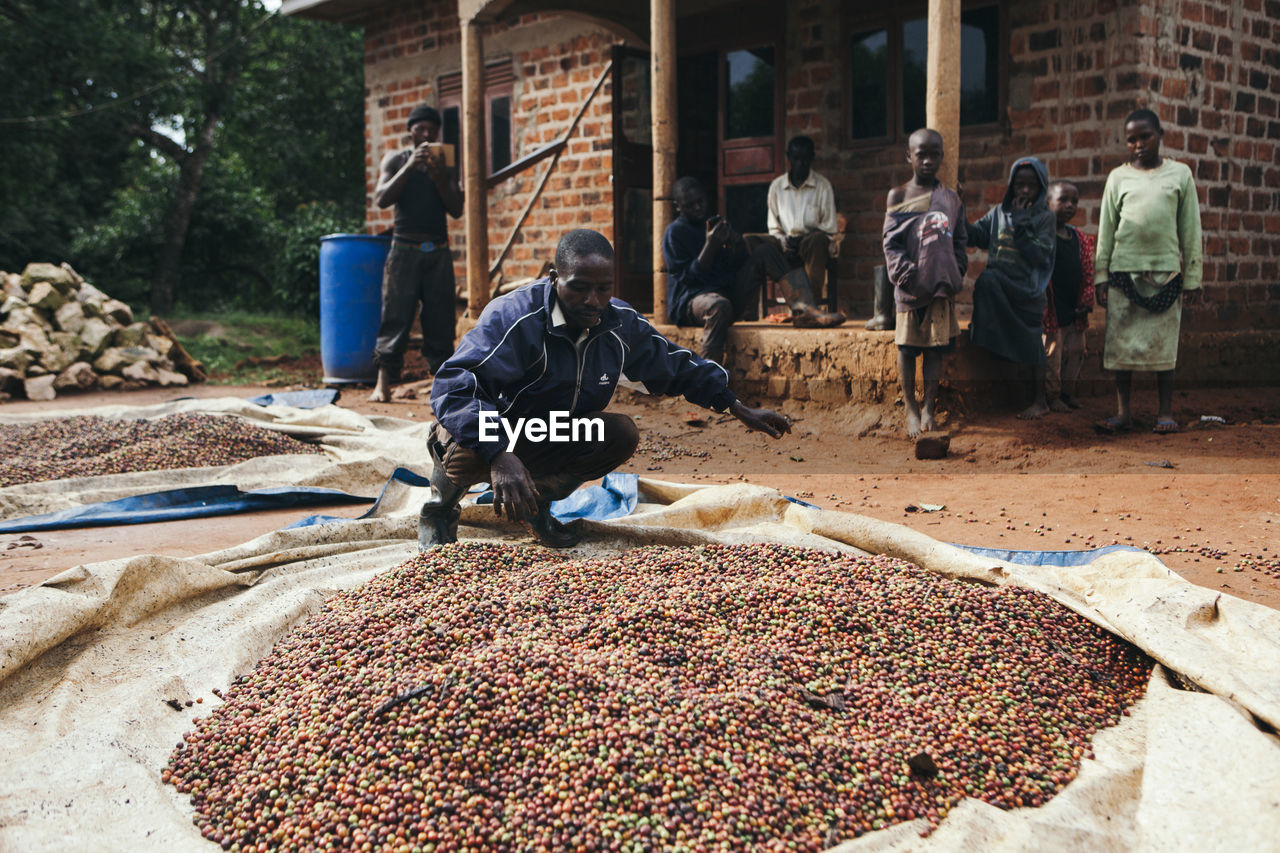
{"x": 495, "y": 697}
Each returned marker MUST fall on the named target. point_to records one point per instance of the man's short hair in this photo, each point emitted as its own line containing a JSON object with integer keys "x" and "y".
{"x": 423, "y": 113}
{"x": 578, "y": 244}
{"x": 1145, "y": 115}
{"x": 1056, "y": 186}
{"x": 922, "y": 133}
{"x": 801, "y": 142}
{"x": 683, "y": 186}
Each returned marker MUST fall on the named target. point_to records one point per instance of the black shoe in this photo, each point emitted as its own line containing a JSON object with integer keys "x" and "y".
{"x": 437, "y": 525}
{"x": 551, "y": 532}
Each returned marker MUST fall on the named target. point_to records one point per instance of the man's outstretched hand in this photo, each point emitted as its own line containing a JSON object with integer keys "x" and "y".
{"x": 514, "y": 494}
{"x": 761, "y": 420}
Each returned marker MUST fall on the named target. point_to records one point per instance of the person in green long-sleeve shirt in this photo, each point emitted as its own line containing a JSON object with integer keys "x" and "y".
{"x": 1148, "y": 263}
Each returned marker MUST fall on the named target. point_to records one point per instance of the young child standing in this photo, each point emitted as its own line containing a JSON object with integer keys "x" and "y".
{"x": 924, "y": 243}
{"x": 1009, "y": 296}
{"x": 1148, "y": 262}
{"x": 1069, "y": 298}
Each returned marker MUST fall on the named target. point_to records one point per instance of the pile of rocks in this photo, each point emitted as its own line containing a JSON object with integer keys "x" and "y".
{"x": 60, "y": 333}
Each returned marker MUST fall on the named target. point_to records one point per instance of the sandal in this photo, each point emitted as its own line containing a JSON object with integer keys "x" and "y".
{"x": 1112, "y": 426}
{"x": 1166, "y": 427}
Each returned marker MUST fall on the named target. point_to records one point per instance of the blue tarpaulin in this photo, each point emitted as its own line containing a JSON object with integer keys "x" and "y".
{"x": 310, "y": 399}
{"x": 1046, "y": 558}
{"x": 192, "y": 502}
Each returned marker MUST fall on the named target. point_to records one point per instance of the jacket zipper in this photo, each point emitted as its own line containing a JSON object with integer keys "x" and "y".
{"x": 582, "y": 360}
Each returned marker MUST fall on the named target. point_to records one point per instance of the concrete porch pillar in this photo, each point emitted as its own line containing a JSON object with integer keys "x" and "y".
{"x": 662, "y": 59}
{"x": 475, "y": 190}
{"x": 942, "y": 68}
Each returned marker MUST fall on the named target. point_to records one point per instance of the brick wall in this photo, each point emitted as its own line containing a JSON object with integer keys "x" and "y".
{"x": 1211, "y": 70}
{"x": 556, "y": 62}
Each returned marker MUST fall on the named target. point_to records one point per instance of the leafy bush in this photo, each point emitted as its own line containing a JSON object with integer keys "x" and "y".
{"x": 296, "y": 283}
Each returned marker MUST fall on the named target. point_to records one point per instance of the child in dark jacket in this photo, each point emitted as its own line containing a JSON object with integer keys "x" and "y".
{"x": 924, "y": 239}
{"x": 1069, "y": 298}
{"x": 1009, "y": 296}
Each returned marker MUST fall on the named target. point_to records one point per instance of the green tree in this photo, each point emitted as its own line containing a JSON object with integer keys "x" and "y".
{"x": 202, "y": 122}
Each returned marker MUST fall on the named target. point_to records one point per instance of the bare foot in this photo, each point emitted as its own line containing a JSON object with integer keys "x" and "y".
{"x": 381, "y": 390}
{"x": 1035, "y": 410}
{"x": 1058, "y": 405}
{"x": 913, "y": 425}
{"x": 1071, "y": 402}
{"x": 927, "y": 423}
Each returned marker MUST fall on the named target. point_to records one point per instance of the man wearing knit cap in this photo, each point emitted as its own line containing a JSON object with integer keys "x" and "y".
{"x": 419, "y": 269}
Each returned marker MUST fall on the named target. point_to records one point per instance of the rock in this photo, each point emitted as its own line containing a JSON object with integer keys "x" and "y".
{"x": 10, "y": 379}
{"x": 92, "y": 308}
{"x": 34, "y": 340}
{"x": 8, "y": 339}
{"x": 79, "y": 377}
{"x": 70, "y": 317}
{"x": 118, "y": 311}
{"x": 95, "y": 336}
{"x": 109, "y": 383}
{"x": 171, "y": 377}
{"x": 146, "y": 354}
{"x": 133, "y": 335}
{"x": 140, "y": 371}
{"x": 89, "y": 293}
{"x": 16, "y": 358}
{"x": 116, "y": 359}
{"x": 46, "y": 297}
{"x": 76, "y": 278}
{"x": 933, "y": 445}
{"x": 54, "y": 275}
{"x": 112, "y": 360}
{"x": 69, "y": 342}
{"x": 12, "y": 302}
{"x": 61, "y": 353}
{"x": 160, "y": 344}
{"x": 26, "y": 317}
{"x": 40, "y": 388}
{"x": 12, "y": 284}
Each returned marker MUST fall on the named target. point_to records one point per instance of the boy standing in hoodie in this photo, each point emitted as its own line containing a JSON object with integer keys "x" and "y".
{"x": 1009, "y": 296}
{"x": 924, "y": 241}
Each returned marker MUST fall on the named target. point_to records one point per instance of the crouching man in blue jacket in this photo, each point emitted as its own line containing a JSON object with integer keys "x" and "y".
{"x": 521, "y": 403}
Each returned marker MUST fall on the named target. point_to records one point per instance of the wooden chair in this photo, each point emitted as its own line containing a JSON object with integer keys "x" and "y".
{"x": 769, "y": 296}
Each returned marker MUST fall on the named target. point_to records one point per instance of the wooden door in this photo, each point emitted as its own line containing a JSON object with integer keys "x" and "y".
{"x": 632, "y": 178}
{"x": 751, "y": 154}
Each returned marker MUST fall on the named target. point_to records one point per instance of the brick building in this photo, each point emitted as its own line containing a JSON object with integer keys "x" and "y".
{"x": 1053, "y": 78}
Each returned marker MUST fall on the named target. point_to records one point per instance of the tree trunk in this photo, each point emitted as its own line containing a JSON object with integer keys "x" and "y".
{"x": 176, "y": 221}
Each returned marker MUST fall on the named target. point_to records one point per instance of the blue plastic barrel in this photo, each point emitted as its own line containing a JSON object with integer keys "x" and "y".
{"x": 350, "y": 304}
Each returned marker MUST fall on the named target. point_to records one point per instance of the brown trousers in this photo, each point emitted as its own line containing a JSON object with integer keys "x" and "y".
{"x": 812, "y": 253}
{"x": 557, "y": 468}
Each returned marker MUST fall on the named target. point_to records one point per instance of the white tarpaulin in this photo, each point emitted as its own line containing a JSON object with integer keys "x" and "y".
{"x": 90, "y": 657}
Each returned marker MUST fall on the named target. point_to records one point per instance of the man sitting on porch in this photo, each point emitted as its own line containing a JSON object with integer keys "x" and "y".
{"x": 712, "y": 276}
{"x": 802, "y": 214}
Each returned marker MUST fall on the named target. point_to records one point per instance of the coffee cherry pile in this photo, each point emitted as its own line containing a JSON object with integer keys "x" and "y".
{"x": 492, "y": 697}
{"x": 88, "y": 445}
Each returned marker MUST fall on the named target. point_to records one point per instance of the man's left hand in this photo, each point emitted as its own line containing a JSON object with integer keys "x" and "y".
{"x": 761, "y": 420}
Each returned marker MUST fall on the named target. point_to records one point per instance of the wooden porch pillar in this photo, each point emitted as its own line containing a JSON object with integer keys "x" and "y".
{"x": 662, "y": 59}
{"x": 476, "y": 208}
{"x": 942, "y": 67}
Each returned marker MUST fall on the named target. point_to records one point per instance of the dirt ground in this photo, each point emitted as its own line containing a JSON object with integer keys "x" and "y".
{"x": 1206, "y": 500}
